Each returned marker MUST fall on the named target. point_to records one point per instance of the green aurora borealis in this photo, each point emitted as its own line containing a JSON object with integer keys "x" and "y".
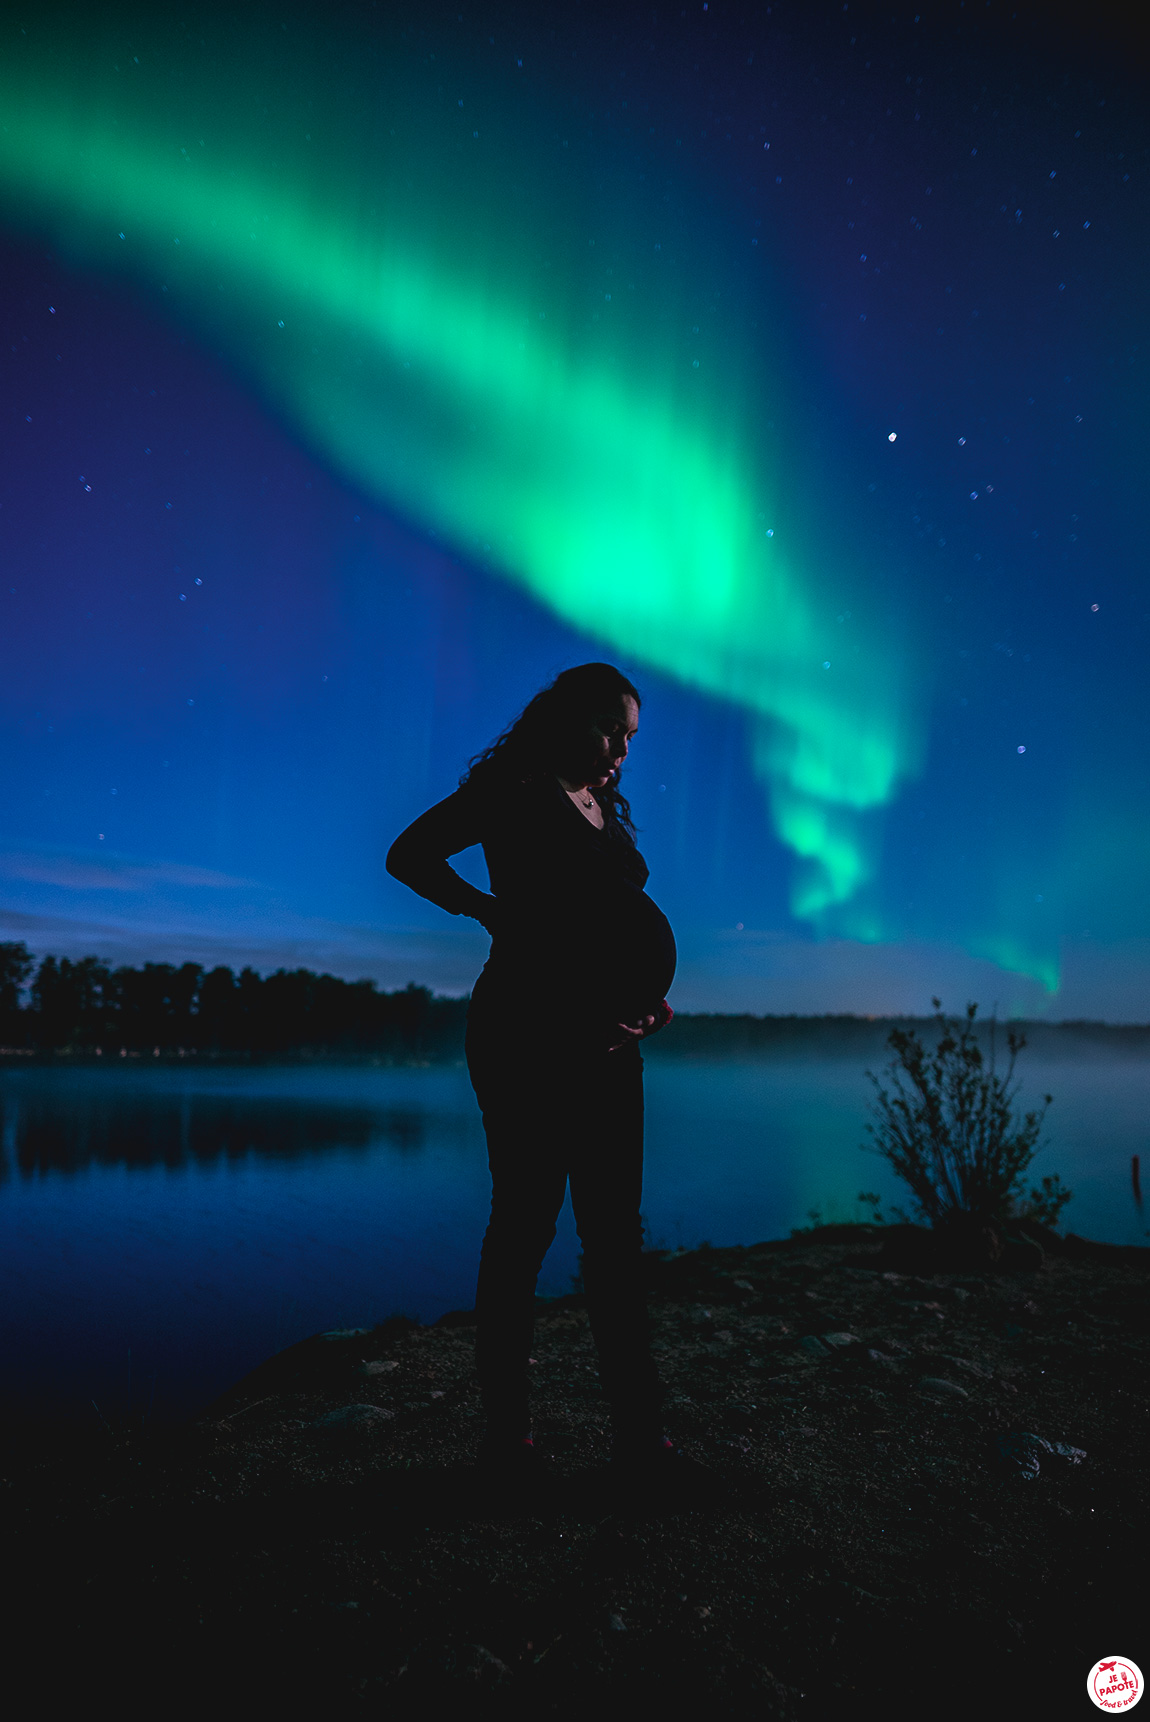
{"x": 585, "y": 455}
{"x": 790, "y": 358}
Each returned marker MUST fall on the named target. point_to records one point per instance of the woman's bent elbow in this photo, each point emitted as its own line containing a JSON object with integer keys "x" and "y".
{"x": 394, "y": 861}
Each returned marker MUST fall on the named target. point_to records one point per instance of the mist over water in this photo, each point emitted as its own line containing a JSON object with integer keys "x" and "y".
{"x": 164, "y": 1231}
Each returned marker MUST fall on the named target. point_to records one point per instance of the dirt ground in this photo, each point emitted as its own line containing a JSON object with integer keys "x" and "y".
{"x": 868, "y": 1533}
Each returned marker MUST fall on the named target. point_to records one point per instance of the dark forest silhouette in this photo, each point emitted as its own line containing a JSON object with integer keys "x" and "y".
{"x": 87, "y": 1005}
{"x": 57, "y": 1005}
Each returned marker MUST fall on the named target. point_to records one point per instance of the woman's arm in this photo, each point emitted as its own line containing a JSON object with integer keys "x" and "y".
{"x": 418, "y": 857}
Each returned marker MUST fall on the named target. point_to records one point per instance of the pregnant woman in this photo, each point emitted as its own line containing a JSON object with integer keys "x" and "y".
{"x": 580, "y": 961}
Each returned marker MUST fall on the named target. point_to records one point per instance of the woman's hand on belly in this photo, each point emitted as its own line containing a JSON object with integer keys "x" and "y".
{"x": 629, "y": 1031}
{"x": 641, "y": 1028}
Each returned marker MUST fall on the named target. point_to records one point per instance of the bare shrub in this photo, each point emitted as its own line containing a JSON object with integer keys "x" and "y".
{"x": 947, "y": 1123}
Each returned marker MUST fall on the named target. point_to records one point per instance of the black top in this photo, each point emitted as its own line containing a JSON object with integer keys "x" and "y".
{"x": 574, "y": 933}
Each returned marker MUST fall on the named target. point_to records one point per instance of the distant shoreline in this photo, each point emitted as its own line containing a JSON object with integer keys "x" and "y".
{"x": 55, "y": 1010}
{"x": 723, "y": 1036}
{"x": 698, "y": 1036}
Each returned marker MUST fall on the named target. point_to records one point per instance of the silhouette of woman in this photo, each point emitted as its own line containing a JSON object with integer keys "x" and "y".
{"x": 580, "y": 961}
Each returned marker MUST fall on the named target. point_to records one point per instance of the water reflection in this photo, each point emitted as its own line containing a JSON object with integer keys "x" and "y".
{"x": 63, "y": 1131}
{"x": 312, "y": 1199}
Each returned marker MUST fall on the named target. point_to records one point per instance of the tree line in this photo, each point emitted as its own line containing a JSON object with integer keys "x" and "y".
{"x": 88, "y": 1006}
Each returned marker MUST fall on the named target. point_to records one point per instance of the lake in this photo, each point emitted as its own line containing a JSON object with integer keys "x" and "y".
{"x": 163, "y": 1230}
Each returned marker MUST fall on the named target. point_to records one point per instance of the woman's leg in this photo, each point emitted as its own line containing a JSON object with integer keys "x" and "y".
{"x": 606, "y": 1192}
{"x": 525, "y": 1147}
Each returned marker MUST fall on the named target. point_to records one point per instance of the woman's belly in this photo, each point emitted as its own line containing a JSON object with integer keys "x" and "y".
{"x": 612, "y": 958}
{"x": 645, "y": 956}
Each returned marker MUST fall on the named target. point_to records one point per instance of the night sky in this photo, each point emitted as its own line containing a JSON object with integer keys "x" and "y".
{"x": 364, "y": 366}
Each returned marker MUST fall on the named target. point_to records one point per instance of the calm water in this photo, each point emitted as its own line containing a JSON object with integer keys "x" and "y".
{"x": 162, "y": 1231}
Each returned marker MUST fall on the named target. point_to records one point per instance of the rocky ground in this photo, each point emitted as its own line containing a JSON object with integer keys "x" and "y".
{"x": 871, "y": 1532}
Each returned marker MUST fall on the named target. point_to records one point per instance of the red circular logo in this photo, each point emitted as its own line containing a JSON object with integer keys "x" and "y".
{"x": 1115, "y": 1683}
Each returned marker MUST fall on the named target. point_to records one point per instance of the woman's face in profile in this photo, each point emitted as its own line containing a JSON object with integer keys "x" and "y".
{"x": 610, "y": 735}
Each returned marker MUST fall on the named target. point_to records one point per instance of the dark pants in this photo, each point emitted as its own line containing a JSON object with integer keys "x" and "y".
{"x": 551, "y": 1118}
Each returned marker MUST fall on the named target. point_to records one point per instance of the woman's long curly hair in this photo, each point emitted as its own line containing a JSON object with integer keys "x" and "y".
{"x": 550, "y": 729}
